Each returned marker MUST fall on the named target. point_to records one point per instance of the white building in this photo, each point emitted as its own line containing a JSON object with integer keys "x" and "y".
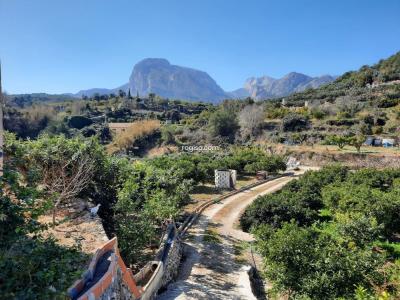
{"x": 225, "y": 179}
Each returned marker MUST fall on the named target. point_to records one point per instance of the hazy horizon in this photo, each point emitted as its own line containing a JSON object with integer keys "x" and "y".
{"x": 67, "y": 46}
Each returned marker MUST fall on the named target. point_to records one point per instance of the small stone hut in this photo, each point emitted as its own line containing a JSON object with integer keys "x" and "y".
{"x": 225, "y": 179}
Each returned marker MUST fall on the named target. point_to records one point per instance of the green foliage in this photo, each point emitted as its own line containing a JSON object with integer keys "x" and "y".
{"x": 338, "y": 140}
{"x": 295, "y": 122}
{"x": 146, "y": 198}
{"x": 168, "y": 135}
{"x": 357, "y": 141}
{"x": 271, "y": 164}
{"x": 277, "y": 112}
{"x": 304, "y": 262}
{"x": 79, "y": 122}
{"x": 299, "y": 200}
{"x": 342, "y": 252}
{"x": 380, "y": 204}
{"x": 223, "y": 123}
{"x": 281, "y": 250}
{"x": 200, "y": 167}
{"x": 32, "y": 267}
{"x": 38, "y": 268}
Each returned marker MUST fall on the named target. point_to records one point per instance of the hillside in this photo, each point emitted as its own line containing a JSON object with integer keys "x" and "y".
{"x": 375, "y": 83}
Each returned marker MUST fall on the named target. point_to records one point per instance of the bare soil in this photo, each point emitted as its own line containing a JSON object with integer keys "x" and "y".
{"x": 213, "y": 267}
{"x": 76, "y": 229}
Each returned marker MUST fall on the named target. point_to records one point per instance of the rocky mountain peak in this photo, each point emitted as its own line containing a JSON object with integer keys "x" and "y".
{"x": 157, "y": 75}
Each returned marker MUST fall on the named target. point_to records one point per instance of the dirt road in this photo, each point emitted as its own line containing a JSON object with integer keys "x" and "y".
{"x": 211, "y": 269}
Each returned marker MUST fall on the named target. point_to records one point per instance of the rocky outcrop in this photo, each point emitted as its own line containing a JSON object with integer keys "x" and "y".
{"x": 158, "y": 76}
{"x": 267, "y": 87}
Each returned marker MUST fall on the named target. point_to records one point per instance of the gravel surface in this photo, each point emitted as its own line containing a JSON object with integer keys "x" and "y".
{"x": 210, "y": 269}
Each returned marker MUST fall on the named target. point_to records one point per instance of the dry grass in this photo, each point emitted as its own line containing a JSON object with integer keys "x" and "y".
{"x": 159, "y": 151}
{"x": 83, "y": 229}
{"x": 37, "y": 112}
{"x": 138, "y": 129}
{"x": 348, "y": 149}
{"x": 377, "y": 151}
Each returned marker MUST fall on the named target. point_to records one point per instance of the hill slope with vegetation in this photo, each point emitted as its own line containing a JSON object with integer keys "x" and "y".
{"x": 332, "y": 234}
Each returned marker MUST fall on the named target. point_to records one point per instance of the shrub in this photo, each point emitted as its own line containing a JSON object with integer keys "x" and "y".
{"x": 307, "y": 264}
{"x": 147, "y": 197}
{"x": 79, "y": 122}
{"x": 345, "y": 243}
{"x": 32, "y": 267}
{"x": 271, "y": 164}
{"x": 223, "y": 123}
{"x": 295, "y": 122}
{"x": 38, "y": 269}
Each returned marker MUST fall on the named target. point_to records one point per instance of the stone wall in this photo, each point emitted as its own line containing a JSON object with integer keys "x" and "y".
{"x": 172, "y": 263}
{"x": 169, "y": 258}
{"x": 108, "y": 277}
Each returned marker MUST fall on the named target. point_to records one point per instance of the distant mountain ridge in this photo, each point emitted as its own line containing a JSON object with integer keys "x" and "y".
{"x": 267, "y": 87}
{"x": 158, "y": 76}
{"x": 101, "y": 91}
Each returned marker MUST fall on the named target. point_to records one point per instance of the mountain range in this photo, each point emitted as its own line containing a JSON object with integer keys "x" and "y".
{"x": 158, "y": 76}
{"x": 267, "y": 87}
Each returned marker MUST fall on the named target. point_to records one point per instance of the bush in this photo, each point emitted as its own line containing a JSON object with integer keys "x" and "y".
{"x": 299, "y": 200}
{"x": 318, "y": 235}
{"x": 79, "y": 122}
{"x": 146, "y": 198}
{"x": 223, "y": 123}
{"x": 38, "y": 269}
{"x": 275, "y": 210}
{"x": 271, "y": 164}
{"x": 308, "y": 264}
{"x": 295, "y": 122}
{"x": 32, "y": 267}
{"x": 200, "y": 166}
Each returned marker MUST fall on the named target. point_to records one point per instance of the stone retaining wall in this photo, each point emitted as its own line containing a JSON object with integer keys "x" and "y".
{"x": 118, "y": 282}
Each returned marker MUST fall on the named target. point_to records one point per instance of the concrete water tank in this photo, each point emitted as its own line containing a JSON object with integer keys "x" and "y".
{"x": 225, "y": 179}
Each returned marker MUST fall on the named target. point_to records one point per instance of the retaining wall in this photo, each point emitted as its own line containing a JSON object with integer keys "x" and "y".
{"x": 108, "y": 277}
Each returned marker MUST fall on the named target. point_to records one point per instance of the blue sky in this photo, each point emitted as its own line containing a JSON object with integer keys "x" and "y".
{"x": 60, "y": 46}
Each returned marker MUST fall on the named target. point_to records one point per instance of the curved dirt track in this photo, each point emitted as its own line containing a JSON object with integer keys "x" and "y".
{"x": 211, "y": 269}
